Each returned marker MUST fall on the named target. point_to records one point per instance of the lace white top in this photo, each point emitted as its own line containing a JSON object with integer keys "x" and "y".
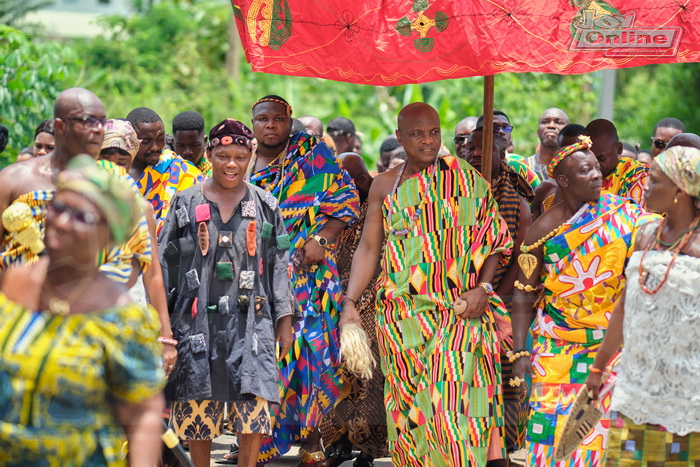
{"x": 658, "y": 374}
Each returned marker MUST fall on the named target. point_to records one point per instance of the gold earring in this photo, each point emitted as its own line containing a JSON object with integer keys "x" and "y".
{"x": 675, "y": 200}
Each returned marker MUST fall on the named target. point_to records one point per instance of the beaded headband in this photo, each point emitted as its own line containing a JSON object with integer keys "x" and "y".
{"x": 276, "y": 101}
{"x": 563, "y": 153}
{"x": 227, "y": 140}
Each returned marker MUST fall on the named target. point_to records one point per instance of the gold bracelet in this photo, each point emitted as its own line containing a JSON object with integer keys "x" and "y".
{"x": 513, "y": 356}
{"x": 527, "y": 288}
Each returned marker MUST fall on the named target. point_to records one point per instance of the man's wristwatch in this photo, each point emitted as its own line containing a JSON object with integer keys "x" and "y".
{"x": 486, "y": 286}
{"x": 321, "y": 240}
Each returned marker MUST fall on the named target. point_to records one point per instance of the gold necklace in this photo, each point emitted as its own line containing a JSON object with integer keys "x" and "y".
{"x": 527, "y": 261}
{"x": 61, "y": 307}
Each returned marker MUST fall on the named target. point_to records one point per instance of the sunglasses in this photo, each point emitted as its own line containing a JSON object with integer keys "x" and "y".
{"x": 460, "y": 139}
{"x": 660, "y": 144}
{"x": 58, "y": 208}
{"x": 504, "y": 129}
{"x": 90, "y": 122}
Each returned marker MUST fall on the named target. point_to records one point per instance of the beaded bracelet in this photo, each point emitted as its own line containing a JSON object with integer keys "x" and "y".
{"x": 516, "y": 354}
{"x": 348, "y": 299}
{"x": 167, "y": 340}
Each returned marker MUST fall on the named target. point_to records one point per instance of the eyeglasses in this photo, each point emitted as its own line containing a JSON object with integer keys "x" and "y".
{"x": 504, "y": 129}
{"x": 90, "y": 122}
{"x": 58, "y": 208}
{"x": 659, "y": 143}
{"x": 460, "y": 139}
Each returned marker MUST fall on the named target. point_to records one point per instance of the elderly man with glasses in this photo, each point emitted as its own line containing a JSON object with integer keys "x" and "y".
{"x": 79, "y": 123}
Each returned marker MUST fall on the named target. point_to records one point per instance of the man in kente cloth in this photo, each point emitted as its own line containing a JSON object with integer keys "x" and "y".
{"x": 622, "y": 176}
{"x": 79, "y": 125}
{"x": 358, "y": 419}
{"x": 225, "y": 260}
{"x": 572, "y": 272}
{"x": 159, "y": 172}
{"x": 436, "y": 310}
{"x": 317, "y": 199}
{"x": 513, "y": 193}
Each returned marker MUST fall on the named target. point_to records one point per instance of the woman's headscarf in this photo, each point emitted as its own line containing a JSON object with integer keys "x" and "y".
{"x": 114, "y": 197}
{"x": 682, "y": 165}
{"x": 120, "y": 134}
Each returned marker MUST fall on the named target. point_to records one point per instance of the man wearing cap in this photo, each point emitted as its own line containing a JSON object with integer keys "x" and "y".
{"x": 572, "y": 272}
{"x": 225, "y": 257}
{"x": 342, "y": 130}
{"x": 317, "y": 199}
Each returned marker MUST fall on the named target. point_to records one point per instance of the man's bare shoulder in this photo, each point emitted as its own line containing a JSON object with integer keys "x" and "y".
{"x": 384, "y": 183}
{"x": 23, "y": 177}
{"x": 544, "y": 224}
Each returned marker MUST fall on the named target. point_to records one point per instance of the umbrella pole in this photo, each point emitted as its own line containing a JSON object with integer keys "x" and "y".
{"x": 487, "y": 142}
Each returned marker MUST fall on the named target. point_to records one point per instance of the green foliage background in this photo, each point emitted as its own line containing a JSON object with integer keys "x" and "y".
{"x": 172, "y": 57}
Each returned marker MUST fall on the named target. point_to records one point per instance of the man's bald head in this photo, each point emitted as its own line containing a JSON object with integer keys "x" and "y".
{"x": 602, "y": 128}
{"x": 466, "y": 126}
{"x": 416, "y": 110}
{"x": 71, "y": 98}
{"x": 419, "y": 133}
{"x": 313, "y": 125}
{"x": 688, "y": 140}
{"x": 79, "y": 118}
{"x": 357, "y": 169}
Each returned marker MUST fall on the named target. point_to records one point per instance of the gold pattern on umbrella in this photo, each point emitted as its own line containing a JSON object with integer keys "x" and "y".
{"x": 422, "y": 24}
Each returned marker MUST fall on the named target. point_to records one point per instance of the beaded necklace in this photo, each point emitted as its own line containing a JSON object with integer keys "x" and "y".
{"x": 680, "y": 243}
{"x": 419, "y": 209}
{"x": 281, "y": 165}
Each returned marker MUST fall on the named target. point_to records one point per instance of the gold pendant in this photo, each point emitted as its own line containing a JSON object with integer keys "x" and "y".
{"x": 59, "y": 307}
{"x": 527, "y": 263}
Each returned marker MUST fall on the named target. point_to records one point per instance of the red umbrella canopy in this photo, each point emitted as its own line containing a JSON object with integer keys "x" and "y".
{"x": 393, "y": 42}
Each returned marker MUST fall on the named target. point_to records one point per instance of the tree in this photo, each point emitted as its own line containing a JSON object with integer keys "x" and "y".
{"x": 12, "y": 11}
{"x": 31, "y": 76}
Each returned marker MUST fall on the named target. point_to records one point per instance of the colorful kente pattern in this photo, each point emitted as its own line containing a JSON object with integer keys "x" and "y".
{"x": 627, "y": 180}
{"x": 508, "y": 189}
{"x": 314, "y": 189}
{"x": 116, "y": 261}
{"x": 443, "y": 374}
{"x": 647, "y": 445}
{"x": 359, "y": 413}
{"x": 59, "y": 378}
{"x": 520, "y": 166}
{"x": 583, "y": 277}
{"x": 204, "y": 166}
{"x": 160, "y": 182}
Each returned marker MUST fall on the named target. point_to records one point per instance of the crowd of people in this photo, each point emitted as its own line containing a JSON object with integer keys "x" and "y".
{"x": 209, "y": 277}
